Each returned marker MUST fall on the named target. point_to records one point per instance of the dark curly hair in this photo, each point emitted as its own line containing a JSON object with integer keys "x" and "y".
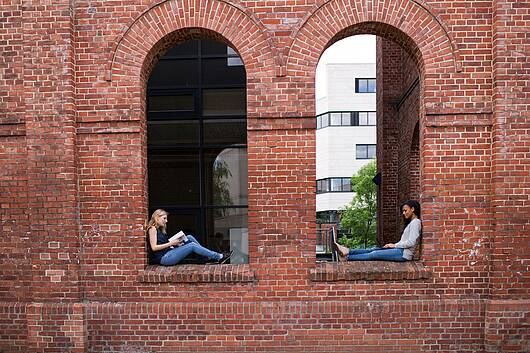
{"x": 412, "y": 204}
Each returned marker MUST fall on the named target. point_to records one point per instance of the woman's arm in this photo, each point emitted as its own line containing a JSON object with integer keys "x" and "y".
{"x": 153, "y": 242}
{"x": 410, "y": 235}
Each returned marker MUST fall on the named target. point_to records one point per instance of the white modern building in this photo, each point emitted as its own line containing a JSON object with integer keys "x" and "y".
{"x": 346, "y": 132}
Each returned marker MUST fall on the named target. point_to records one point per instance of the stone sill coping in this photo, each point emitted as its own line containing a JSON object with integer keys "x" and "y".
{"x": 198, "y": 274}
{"x": 323, "y": 272}
{"x": 369, "y": 271}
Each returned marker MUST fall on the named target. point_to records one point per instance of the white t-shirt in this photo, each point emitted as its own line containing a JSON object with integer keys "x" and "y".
{"x": 409, "y": 238}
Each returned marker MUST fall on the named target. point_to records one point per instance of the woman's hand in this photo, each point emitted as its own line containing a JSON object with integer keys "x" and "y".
{"x": 389, "y": 246}
{"x": 175, "y": 242}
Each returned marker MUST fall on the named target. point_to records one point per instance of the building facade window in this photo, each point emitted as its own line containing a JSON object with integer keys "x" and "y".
{"x": 333, "y": 185}
{"x": 197, "y": 144}
{"x": 347, "y": 118}
{"x": 365, "y": 85}
{"x": 365, "y": 151}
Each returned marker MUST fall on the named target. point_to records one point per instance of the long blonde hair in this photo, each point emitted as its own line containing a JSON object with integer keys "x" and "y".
{"x": 153, "y": 222}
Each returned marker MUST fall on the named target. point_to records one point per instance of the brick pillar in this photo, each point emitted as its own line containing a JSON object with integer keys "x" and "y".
{"x": 506, "y": 324}
{"x": 388, "y": 95}
{"x": 51, "y": 136}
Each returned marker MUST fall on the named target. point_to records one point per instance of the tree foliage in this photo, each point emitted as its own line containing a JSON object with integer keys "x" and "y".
{"x": 359, "y": 217}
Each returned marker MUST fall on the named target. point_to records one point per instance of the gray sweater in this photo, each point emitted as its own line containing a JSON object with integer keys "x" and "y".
{"x": 409, "y": 239}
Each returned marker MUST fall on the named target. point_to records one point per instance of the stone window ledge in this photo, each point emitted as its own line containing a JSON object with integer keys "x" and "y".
{"x": 369, "y": 271}
{"x": 197, "y": 274}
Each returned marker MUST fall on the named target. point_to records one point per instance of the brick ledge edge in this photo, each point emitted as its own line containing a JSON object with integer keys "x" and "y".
{"x": 197, "y": 274}
{"x": 369, "y": 271}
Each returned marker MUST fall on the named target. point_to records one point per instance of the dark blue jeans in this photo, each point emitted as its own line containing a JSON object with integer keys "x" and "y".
{"x": 383, "y": 254}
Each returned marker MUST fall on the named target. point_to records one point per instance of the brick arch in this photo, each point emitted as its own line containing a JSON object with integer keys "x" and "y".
{"x": 238, "y": 26}
{"x": 410, "y": 23}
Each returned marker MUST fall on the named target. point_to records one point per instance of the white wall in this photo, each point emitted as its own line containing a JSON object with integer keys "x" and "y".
{"x": 335, "y": 145}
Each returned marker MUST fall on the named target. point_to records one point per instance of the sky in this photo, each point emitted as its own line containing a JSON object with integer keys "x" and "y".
{"x": 354, "y": 49}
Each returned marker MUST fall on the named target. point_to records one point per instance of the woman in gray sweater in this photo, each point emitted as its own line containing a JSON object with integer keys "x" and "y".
{"x": 400, "y": 251}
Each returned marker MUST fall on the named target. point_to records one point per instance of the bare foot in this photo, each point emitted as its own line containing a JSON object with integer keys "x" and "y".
{"x": 341, "y": 249}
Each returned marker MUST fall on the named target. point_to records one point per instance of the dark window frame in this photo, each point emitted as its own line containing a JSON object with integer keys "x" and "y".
{"x": 367, "y": 154}
{"x": 324, "y": 120}
{"x": 367, "y": 81}
{"x": 325, "y": 185}
{"x": 201, "y": 211}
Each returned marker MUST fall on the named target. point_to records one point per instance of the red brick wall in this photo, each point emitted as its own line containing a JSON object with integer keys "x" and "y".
{"x": 506, "y": 317}
{"x": 74, "y": 192}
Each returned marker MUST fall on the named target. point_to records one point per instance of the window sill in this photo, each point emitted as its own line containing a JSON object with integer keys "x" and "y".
{"x": 197, "y": 274}
{"x": 369, "y": 271}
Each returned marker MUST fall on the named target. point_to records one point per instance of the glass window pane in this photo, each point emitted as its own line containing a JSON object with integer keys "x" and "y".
{"x": 363, "y": 118}
{"x": 361, "y": 151}
{"x": 346, "y": 119}
{"x": 362, "y": 85}
{"x": 226, "y": 177}
{"x": 346, "y": 184}
{"x": 372, "y": 118}
{"x": 225, "y": 131}
{"x": 371, "y": 86}
{"x": 213, "y": 47}
{"x": 335, "y": 119}
{"x": 222, "y": 102}
{"x": 325, "y": 120}
{"x": 319, "y": 122}
{"x": 176, "y": 132}
{"x": 171, "y": 103}
{"x": 171, "y": 73}
{"x": 190, "y": 47}
{"x": 234, "y": 61}
{"x": 371, "y": 151}
{"x": 325, "y": 185}
{"x": 185, "y": 220}
{"x": 174, "y": 178}
{"x": 216, "y": 71}
{"x": 336, "y": 184}
{"x": 227, "y": 229}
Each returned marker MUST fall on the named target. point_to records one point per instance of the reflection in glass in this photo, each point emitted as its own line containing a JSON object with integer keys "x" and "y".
{"x": 174, "y": 132}
{"x": 227, "y": 229}
{"x": 226, "y": 176}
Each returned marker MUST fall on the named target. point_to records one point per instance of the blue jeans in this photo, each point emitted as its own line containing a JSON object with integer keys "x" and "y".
{"x": 176, "y": 255}
{"x": 384, "y": 254}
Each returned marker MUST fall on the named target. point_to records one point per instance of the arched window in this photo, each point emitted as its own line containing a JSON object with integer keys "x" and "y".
{"x": 197, "y": 144}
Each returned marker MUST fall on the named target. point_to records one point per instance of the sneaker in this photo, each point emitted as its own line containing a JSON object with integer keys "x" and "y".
{"x": 226, "y": 257}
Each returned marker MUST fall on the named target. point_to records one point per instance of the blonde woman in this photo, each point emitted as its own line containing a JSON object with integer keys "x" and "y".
{"x": 168, "y": 253}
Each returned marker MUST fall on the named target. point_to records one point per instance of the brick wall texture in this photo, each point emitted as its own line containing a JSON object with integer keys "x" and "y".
{"x": 453, "y": 131}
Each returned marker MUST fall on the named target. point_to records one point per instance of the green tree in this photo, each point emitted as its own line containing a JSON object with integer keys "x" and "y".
{"x": 359, "y": 217}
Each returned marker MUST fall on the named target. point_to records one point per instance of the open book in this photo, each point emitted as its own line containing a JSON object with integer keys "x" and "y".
{"x": 180, "y": 236}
